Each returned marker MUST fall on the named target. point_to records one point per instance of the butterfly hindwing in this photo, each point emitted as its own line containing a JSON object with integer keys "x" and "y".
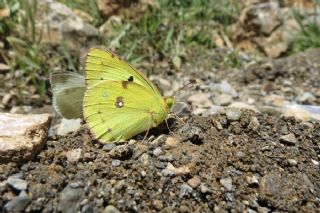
{"x": 68, "y": 90}
{"x": 104, "y": 65}
{"x": 119, "y": 110}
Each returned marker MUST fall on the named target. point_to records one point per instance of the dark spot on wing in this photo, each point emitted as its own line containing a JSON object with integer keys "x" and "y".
{"x": 101, "y": 78}
{"x": 112, "y": 55}
{"x": 119, "y": 102}
{"x": 109, "y": 130}
{"x": 130, "y": 79}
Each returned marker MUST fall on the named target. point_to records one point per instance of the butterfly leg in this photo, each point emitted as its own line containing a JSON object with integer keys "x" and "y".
{"x": 166, "y": 120}
{"x": 146, "y": 135}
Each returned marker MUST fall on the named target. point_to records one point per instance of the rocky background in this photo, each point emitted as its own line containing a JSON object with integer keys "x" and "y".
{"x": 244, "y": 138}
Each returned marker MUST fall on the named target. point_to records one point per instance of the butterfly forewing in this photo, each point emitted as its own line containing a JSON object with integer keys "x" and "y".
{"x": 104, "y": 65}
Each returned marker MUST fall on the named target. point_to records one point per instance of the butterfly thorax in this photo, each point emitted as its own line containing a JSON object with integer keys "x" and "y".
{"x": 160, "y": 111}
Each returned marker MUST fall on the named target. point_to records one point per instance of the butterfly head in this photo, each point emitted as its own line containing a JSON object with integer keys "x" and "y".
{"x": 169, "y": 101}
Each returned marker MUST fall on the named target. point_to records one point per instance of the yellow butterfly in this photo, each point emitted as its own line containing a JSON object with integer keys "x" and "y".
{"x": 119, "y": 101}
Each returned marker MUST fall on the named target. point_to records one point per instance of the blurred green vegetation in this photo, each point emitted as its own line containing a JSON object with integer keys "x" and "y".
{"x": 176, "y": 31}
{"x": 172, "y": 31}
{"x": 309, "y": 37}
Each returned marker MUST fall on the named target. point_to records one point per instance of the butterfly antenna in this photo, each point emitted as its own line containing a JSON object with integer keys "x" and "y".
{"x": 185, "y": 87}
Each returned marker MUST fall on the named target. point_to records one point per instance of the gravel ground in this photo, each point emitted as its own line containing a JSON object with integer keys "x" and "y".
{"x": 234, "y": 160}
{"x": 223, "y": 160}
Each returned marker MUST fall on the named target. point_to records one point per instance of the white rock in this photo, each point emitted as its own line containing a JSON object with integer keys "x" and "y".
{"x": 214, "y": 110}
{"x": 199, "y": 111}
{"x": 68, "y": 125}
{"x": 254, "y": 123}
{"x": 222, "y": 100}
{"x": 200, "y": 99}
{"x": 233, "y": 114}
{"x": 224, "y": 87}
{"x": 292, "y": 162}
{"x": 289, "y": 139}
{"x": 22, "y": 136}
{"x": 226, "y": 183}
{"x": 74, "y": 155}
{"x": 17, "y": 183}
{"x": 316, "y": 163}
{"x": 157, "y": 152}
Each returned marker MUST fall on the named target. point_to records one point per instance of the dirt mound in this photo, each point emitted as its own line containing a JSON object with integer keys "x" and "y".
{"x": 235, "y": 160}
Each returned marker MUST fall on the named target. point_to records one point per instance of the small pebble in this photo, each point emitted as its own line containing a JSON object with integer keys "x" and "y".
{"x": 185, "y": 190}
{"x": 254, "y": 123}
{"x": 222, "y": 100}
{"x": 160, "y": 165}
{"x": 75, "y": 185}
{"x": 17, "y": 183}
{"x": 292, "y": 162}
{"x": 166, "y": 158}
{"x": 111, "y": 209}
{"x": 157, "y": 204}
{"x": 316, "y": 163}
{"x": 233, "y": 114}
{"x": 184, "y": 209}
{"x": 204, "y": 189}
{"x": 289, "y": 139}
{"x": 108, "y": 147}
{"x": 194, "y": 182}
{"x": 68, "y": 125}
{"x": 214, "y": 110}
{"x": 226, "y": 183}
{"x": 251, "y": 211}
{"x": 116, "y": 163}
{"x": 121, "y": 152}
{"x": 132, "y": 141}
{"x": 172, "y": 141}
{"x": 88, "y": 157}
{"x": 19, "y": 203}
{"x": 3, "y": 186}
{"x": 74, "y": 155}
{"x": 157, "y": 152}
{"x": 170, "y": 170}
{"x": 252, "y": 181}
{"x": 87, "y": 209}
{"x": 143, "y": 173}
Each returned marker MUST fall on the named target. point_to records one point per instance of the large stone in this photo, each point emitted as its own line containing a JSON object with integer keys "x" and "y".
{"x": 22, "y": 136}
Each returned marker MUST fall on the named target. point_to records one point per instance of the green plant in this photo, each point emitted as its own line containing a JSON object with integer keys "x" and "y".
{"x": 89, "y": 7}
{"x": 173, "y": 30}
{"x": 309, "y": 36}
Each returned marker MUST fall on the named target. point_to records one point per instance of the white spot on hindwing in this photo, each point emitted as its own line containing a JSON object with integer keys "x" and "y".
{"x": 104, "y": 94}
